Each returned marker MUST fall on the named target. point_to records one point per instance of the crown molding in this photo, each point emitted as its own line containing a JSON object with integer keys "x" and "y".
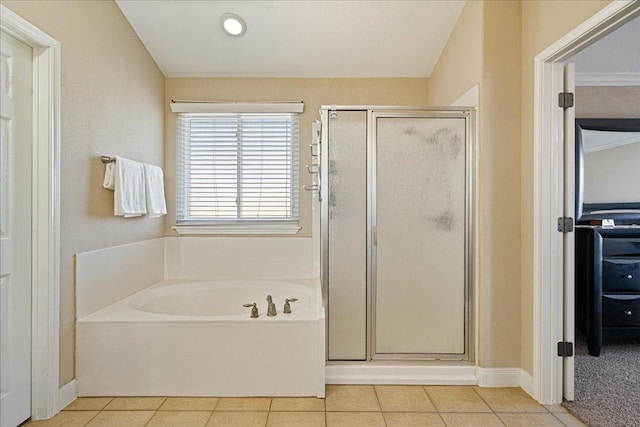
{"x": 607, "y": 79}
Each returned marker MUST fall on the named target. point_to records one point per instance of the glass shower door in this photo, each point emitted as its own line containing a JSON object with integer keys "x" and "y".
{"x": 419, "y": 226}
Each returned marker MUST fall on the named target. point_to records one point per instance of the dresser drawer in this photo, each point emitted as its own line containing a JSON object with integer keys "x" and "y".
{"x": 621, "y": 274}
{"x": 627, "y": 246}
{"x": 621, "y": 310}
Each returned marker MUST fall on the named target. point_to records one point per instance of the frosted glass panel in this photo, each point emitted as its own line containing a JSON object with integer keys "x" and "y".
{"x": 420, "y": 282}
{"x": 348, "y": 236}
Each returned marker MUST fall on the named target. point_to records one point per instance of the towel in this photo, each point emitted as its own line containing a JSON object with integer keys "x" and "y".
{"x": 154, "y": 190}
{"x": 129, "y": 198}
{"x": 109, "y": 181}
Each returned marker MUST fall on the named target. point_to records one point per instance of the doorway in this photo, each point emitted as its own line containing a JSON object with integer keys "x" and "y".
{"x": 46, "y": 397}
{"x": 16, "y": 112}
{"x": 552, "y": 376}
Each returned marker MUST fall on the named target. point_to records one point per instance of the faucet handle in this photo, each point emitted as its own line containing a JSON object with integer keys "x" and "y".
{"x": 287, "y": 306}
{"x": 254, "y": 309}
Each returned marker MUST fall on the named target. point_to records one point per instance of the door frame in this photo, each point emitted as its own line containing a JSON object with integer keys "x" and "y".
{"x": 548, "y": 146}
{"x": 45, "y": 303}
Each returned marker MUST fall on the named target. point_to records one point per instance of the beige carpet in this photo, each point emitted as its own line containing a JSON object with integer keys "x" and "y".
{"x": 608, "y": 386}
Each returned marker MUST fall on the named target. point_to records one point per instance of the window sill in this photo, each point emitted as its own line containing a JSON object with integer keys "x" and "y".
{"x": 239, "y": 229}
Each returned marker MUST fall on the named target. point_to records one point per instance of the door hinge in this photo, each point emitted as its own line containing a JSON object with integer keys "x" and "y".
{"x": 565, "y": 99}
{"x": 565, "y": 224}
{"x": 565, "y": 349}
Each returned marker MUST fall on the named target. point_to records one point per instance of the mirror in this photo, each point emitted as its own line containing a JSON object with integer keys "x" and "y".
{"x": 608, "y": 170}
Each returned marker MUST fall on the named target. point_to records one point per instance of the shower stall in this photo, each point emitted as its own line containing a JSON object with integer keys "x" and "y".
{"x": 396, "y": 193}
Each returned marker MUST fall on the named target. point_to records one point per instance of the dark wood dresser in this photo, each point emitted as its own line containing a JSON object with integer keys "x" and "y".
{"x": 607, "y": 283}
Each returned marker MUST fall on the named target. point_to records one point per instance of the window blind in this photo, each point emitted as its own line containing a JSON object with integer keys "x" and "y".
{"x": 237, "y": 168}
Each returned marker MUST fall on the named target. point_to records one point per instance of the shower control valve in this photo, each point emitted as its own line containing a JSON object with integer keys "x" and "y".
{"x": 254, "y": 310}
{"x": 287, "y": 306}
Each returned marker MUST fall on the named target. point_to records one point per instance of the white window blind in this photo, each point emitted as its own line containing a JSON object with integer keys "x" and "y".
{"x": 237, "y": 168}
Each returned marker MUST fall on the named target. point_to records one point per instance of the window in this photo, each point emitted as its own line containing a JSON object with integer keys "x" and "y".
{"x": 237, "y": 171}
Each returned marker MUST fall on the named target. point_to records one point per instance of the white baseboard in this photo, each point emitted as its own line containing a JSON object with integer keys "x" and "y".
{"x": 67, "y": 394}
{"x": 406, "y": 375}
{"x": 526, "y": 382}
{"x": 498, "y": 377}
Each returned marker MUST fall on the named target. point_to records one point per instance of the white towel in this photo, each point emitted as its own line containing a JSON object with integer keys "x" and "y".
{"x": 109, "y": 181}
{"x": 129, "y": 192}
{"x": 154, "y": 190}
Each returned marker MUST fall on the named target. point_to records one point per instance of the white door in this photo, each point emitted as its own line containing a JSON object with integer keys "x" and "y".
{"x": 15, "y": 230}
{"x": 568, "y": 299}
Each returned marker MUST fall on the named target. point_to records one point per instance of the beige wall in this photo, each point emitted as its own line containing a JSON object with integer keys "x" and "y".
{"x": 543, "y": 23}
{"x": 112, "y": 104}
{"x": 459, "y": 67}
{"x": 484, "y": 48}
{"x": 314, "y": 93}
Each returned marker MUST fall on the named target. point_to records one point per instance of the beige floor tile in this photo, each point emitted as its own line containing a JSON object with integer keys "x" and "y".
{"x": 238, "y": 419}
{"x": 243, "y": 404}
{"x": 463, "y": 419}
{"x": 297, "y": 404}
{"x": 508, "y": 399}
{"x": 406, "y": 419}
{"x": 121, "y": 419}
{"x": 189, "y": 404}
{"x": 403, "y": 398}
{"x": 88, "y": 404}
{"x": 569, "y": 420}
{"x": 351, "y": 398}
{"x": 556, "y": 409}
{"x": 179, "y": 419}
{"x": 530, "y": 420}
{"x": 355, "y": 419}
{"x": 66, "y": 419}
{"x": 135, "y": 403}
{"x": 296, "y": 419}
{"x": 456, "y": 399}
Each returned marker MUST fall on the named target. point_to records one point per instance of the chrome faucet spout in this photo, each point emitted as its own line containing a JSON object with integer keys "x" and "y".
{"x": 271, "y": 307}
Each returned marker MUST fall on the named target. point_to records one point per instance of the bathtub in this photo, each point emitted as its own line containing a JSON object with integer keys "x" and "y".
{"x": 188, "y": 338}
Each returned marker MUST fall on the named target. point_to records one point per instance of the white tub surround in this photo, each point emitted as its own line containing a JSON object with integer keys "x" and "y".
{"x": 143, "y": 330}
{"x": 206, "y": 258}
{"x": 105, "y": 276}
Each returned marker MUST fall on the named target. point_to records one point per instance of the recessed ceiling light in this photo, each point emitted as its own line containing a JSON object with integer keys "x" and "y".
{"x": 233, "y": 24}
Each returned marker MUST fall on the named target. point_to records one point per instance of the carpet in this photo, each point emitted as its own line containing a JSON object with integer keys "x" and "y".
{"x": 607, "y": 387}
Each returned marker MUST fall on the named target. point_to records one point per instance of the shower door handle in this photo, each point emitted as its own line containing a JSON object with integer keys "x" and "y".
{"x": 374, "y": 235}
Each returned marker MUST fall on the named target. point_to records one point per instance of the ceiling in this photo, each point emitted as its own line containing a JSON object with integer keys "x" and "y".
{"x": 617, "y": 52}
{"x": 295, "y": 38}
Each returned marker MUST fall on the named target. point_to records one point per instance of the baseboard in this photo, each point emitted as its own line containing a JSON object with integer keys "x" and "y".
{"x": 67, "y": 394}
{"x": 498, "y": 377}
{"x": 405, "y": 375}
{"x": 526, "y": 382}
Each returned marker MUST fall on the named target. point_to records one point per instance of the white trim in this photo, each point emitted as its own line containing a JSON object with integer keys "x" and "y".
{"x": 607, "y": 79}
{"x": 67, "y": 394}
{"x": 498, "y": 377}
{"x": 239, "y": 229}
{"x": 237, "y": 107}
{"x": 46, "y": 211}
{"x": 408, "y": 375}
{"x": 526, "y": 382}
{"x": 548, "y": 200}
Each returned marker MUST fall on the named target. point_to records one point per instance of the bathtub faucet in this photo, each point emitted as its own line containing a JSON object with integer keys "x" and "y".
{"x": 254, "y": 310}
{"x": 271, "y": 308}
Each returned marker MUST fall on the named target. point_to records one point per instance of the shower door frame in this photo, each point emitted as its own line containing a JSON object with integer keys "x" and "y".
{"x": 374, "y": 112}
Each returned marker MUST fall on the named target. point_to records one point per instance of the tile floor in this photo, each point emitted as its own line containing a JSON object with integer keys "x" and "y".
{"x": 348, "y": 405}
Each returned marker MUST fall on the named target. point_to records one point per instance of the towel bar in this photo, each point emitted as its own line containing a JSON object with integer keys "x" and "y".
{"x": 107, "y": 159}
